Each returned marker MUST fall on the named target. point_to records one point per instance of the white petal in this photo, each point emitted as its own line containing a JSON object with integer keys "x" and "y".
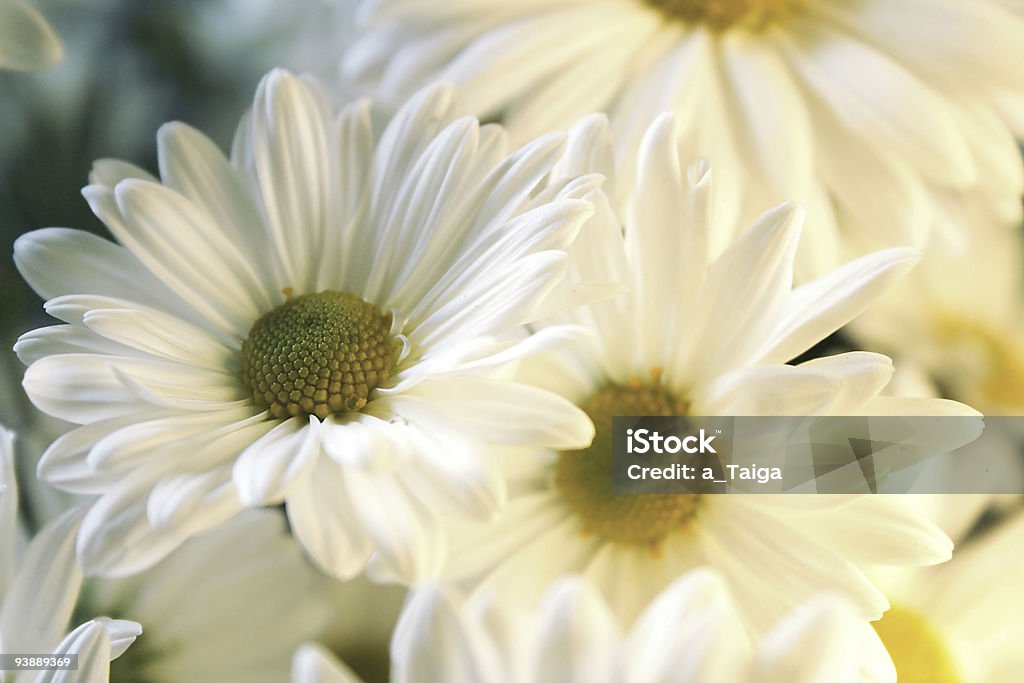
{"x": 883, "y": 107}
{"x": 501, "y": 412}
{"x": 289, "y": 130}
{"x": 589, "y": 150}
{"x": 861, "y": 377}
{"x": 879, "y": 193}
{"x": 40, "y": 600}
{"x": 59, "y": 339}
{"x": 146, "y": 441}
{"x": 116, "y": 538}
{"x": 480, "y": 269}
{"x": 8, "y": 510}
{"x": 422, "y": 219}
{"x": 953, "y": 43}
{"x": 578, "y": 639}
{"x": 85, "y": 388}
{"x": 768, "y": 390}
{"x": 191, "y": 164}
{"x": 821, "y": 307}
{"x": 746, "y": 287}
{"x": 177, "y": 500}
{"x": 64, "y": 463}
{"x": 406, "y": 534}
{"x": 324, "y": 521}
{"x": 267, "y": 469}
{"x": 59, "y": 261}
{"x": 157, "y": 333}
{"x": 365, "y": 439}
{"x": 122, "y": 634}
{"x": 405, "y": 137}
{"x": 881, "y": 529}
{"x": 694, "y": 614}
{"x": 747, "y": 539}
{"x": 818, "y": 642}
{"x": 500, "y": 303}
{"x": 313, "y": 663}
{"x": 184, "y": 247}
{"x": 656, "y": 235}
{"x": 453, "y": 474}
{"x": 434, "y": 641}
{"x": 27, "y": 42}
{"x": 91, "y": 642}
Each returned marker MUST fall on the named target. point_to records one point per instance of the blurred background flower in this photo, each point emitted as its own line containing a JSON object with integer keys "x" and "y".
{"x": 689, "y": 632}
{"x": 129, "y": 68}
{"x": 882, "y": 117}
{"x": 39, "y": 589}
{"x": 27, "y": 42}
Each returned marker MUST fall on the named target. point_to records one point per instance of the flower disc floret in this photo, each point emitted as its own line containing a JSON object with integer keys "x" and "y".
{"x": 584, "y": 476}
{"x": 917, "y": 649}
{"x": 721, "y": 15}
{"x": 318, "y": 354}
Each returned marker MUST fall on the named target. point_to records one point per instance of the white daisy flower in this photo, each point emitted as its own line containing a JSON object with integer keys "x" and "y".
{"x": 688, "y": 634}
{"x": 321, "y": 321}
{"x": 855, "y": 109}
{"x": 231, "y": 605}
{"x": 960, "y": 622}
{"x": 38, "y": 591}
{"x": 701, "y": 333}
{"x": 958, "y": 320}
{"x": 27, "y": 42}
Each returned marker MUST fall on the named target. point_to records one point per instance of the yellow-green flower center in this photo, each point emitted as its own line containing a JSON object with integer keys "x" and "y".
{"x": 318, "y": 354}
{"x": 720, "y": 15}
{"x": 916, "y": 648}
{"x": 584, "y": 476}
{"x": 1000, "y": 387}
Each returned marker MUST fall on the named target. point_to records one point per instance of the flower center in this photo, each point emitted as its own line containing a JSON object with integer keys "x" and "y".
{"x": 317, "y": 354}
{"x": 1001, "y": 379}
{"x": 720, "y": 15}
{"x": 916, "y": 648}
{"x": 584, "y": 476}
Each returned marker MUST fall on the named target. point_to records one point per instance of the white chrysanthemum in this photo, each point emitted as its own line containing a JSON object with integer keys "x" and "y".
{"x": 688, "y": 634}
{"x": 960, "y": 622}
{"x": 701, "y": 333}
{"x": 320, "y": 321}
{"x": 229, "y": 606}
{"x": 855, "y": 109}
{"x": 38, "y": 594}
{"x": 959, "y": 320}
{"x": 27, "y": 42}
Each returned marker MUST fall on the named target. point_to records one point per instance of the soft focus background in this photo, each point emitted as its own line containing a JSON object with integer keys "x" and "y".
{"x": 129, "y": 67}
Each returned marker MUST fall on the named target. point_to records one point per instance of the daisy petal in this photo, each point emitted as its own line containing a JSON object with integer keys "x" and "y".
{"x": 313, "y": 663}
{"x": 579, "y": 639}
{"x": 821, "y": 307}
{"x": 433, "y": 641}
{"x": 405, "y": 533}
{"x": 27, "y": 42}
{"x": 91, "y": 642}
{"x": 290, "y": 164}
{"x": 324, "y": 520}
{"x": 40, "y": 600}
{"x": 266, "y": 470}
